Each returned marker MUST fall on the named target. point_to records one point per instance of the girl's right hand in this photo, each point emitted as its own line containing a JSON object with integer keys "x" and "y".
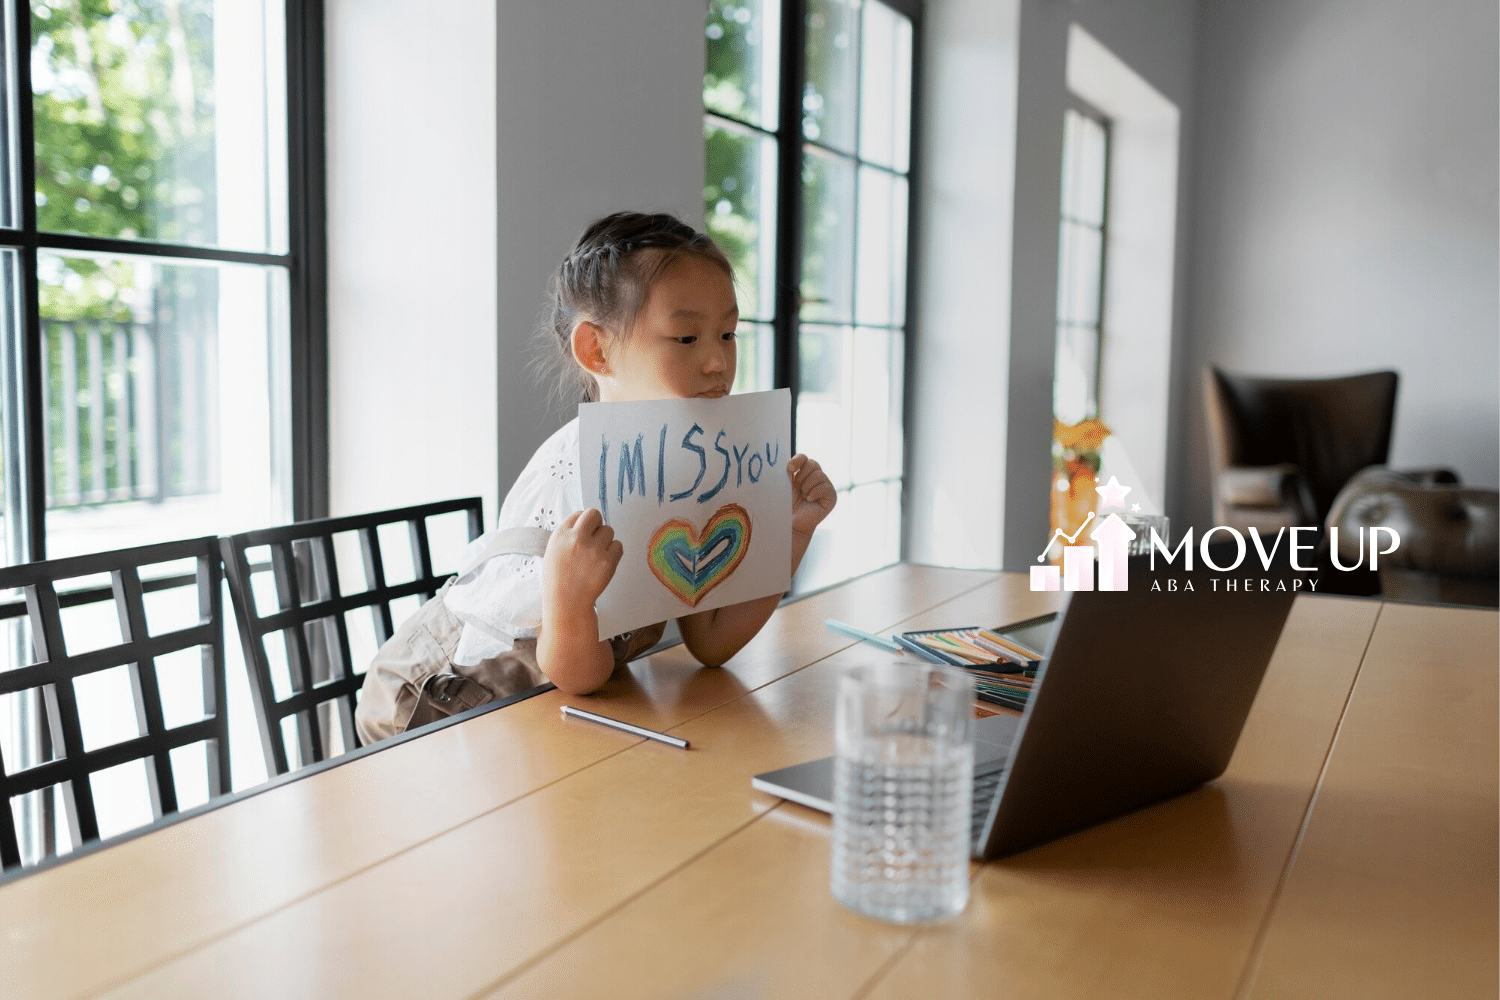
{"x": 580, "y": 559}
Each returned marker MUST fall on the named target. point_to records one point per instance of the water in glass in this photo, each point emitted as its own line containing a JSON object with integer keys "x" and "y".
{"x": 902, "y": 785}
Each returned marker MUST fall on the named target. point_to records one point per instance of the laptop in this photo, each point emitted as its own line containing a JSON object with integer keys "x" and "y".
{"x": 1142, "y": 696}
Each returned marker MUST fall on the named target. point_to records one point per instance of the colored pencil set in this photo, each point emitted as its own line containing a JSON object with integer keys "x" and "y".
{"x": 1004, "y": 670}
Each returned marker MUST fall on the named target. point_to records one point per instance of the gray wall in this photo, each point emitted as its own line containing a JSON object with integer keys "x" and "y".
{"x": 599, "y": 108}
{"x": 1156, "y": 38}
{"x": 961, "y": 251}
{"x": 1345, "y": 215}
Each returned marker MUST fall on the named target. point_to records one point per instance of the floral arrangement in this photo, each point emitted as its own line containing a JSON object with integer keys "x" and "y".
{"x": 1075, "y": 471}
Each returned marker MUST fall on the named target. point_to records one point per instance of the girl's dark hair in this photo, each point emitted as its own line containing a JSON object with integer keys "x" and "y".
{"x": 606, "y": 278}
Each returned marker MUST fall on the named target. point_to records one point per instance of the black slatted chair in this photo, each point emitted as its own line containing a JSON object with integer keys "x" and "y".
{"x": 51, "y": 681}
{"x": 320, "y": 680}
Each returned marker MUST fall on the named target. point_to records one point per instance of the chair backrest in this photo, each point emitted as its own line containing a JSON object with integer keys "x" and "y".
{"x": 69, "y": 693}
{"x": 305, "y": 699}
{"x": 1329, "y": 428}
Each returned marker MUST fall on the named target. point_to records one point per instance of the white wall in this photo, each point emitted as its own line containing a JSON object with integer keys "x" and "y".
{"x": 1156, "y": 39}
{"x": 600, "y": 108}
{"x": 962, "y": 253}
{"x": 1346, "y": 217}
{"x": 411, "y": 252}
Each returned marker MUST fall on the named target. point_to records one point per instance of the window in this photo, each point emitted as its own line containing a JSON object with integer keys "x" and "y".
{"x": 161, "y": 310}
{"x": 1080, "y": 273}
{"x": 807, "y": 134}
{"x": 1078, "y": 433}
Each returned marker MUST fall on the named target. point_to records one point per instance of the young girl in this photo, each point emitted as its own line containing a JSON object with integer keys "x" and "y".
{"x": 643, "y": 308}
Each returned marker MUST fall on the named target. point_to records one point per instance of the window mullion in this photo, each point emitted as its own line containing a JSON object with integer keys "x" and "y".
{"x": 33, "y": 418}
{"x": 789, "y": 197}
{"x": 27, "y": 540}
{"x": 307, "y": 238}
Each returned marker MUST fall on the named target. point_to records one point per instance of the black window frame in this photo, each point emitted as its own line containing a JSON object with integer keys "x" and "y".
{"x": 305, "y": 263}
{"x": 786, "y": 316}
{"x": 1081, "y": 107}
{"x": 785, "y": 319}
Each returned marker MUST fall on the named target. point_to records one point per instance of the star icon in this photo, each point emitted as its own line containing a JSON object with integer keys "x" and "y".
{"x": 1135, "y": 508}
{"x": 1112, "y": 494}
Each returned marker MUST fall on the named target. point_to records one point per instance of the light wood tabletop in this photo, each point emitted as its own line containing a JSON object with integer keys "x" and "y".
{"x": 519, "y": 854}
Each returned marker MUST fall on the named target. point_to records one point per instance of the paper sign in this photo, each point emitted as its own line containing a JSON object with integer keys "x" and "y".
{"x": 697, "y": 493}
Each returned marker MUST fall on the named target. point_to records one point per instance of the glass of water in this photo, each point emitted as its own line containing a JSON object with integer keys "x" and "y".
{"x": 903, "y": 780}
{"x": 1143, "y": 525}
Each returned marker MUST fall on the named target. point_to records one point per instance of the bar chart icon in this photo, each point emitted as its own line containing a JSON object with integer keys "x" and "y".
{"x": 1113, "y": 539}
{"x": 1078, "y": 567}
{"x": 1103, "y": 564}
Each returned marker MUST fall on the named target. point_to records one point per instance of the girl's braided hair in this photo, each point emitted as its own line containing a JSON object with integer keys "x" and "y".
{"x": 605, "y": 280}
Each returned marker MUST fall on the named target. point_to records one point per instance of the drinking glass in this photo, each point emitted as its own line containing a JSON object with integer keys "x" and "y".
{"x": 1143, "y": 525}
{"x": 902, "y": 786}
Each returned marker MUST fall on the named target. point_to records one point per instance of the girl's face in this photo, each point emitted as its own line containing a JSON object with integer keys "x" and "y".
{"x": 683, "y": 341}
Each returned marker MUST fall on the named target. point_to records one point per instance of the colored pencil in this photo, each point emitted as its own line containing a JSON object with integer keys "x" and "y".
{"x": 999, "y": 650}
{"x": 931, "y": 656}
{"x": 859, "y": 633}
{"x": 964, "y": 641}
{"x": 947, "y": 643}
{"x": 1030, "y": 654}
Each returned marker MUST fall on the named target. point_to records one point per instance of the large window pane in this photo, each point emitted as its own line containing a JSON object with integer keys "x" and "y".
{"x": 1083, "y": 181}
{"x": 885, "y": 88}
{"x": 882, "y": 248}
{"x": 850, "y": 401}
{"x": 828, "y": 236}
{"x": 829, "y": 98}
{"x": 824, "y": 399}
{"x": 164, "y": 404}
{"x": 755, "y": 368}
{"x": 742, "y": 79}
{"x": 154, "y": 117}
{"x": 1091, "y": 166}
{"x": 877, "y": 361}
{"x": 1081, "y": 260}
{"x": 739, "y": 195}
{"x": 862, "y": 534}
{"x": 1080, "y": 271}
{"x": 851, "y": 273}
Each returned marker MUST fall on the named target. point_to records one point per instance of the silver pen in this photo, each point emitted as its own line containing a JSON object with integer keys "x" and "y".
{"x": 625, "y": 727}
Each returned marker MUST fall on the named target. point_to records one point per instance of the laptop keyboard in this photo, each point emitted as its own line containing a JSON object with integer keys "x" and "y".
{"x": 986, "y": 783}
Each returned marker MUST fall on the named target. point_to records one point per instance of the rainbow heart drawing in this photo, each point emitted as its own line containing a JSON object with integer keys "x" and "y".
{"x": 690, "y": 563}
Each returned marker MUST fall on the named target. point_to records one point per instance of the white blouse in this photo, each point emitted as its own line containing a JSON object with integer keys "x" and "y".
{"x": 503, "y": 601}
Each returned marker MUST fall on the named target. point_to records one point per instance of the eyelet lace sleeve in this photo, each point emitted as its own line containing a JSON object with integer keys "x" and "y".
{"x": 502, "y": 602}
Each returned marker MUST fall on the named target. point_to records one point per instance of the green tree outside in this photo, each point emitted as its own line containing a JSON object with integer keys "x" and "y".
{"x": 123, "y": 108}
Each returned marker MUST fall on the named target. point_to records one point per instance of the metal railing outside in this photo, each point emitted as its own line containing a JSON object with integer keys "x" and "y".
{"x": 131, "y": 410}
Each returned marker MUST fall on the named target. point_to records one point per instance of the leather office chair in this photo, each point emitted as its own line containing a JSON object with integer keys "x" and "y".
{"x": 1281, "y": 449}
{"x": 171, "y": 612}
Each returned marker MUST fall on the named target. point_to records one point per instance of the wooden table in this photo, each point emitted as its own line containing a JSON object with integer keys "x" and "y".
{"x": 1350, "y": 849}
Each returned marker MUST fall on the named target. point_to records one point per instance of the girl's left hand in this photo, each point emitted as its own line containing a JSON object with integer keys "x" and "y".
{"x": 813, "y": 495}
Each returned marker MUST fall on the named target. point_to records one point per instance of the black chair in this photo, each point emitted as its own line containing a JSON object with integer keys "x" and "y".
{"x": 67, "y": 761}
{"x": 315, "y": 711}
{"x": 1281, "y": 449}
